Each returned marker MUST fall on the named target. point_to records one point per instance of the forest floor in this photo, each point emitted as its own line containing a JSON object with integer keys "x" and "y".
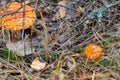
{"x": 57, "y": 42}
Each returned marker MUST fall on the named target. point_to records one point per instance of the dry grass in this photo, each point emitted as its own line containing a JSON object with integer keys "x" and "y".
{"x": 61, "y": 45}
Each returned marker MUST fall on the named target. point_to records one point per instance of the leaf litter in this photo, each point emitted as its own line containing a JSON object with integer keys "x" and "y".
{"x": 68, "y": 30}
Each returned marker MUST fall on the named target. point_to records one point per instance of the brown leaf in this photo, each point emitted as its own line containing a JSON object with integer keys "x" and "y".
{"x": 63, "y": 3}
{"x": 1, "y": 65}
{"x": 61, "y": 13}
{"x": 37, "y": 65}
{"x": 53, "y": 37}
{"x": 80, "y": 9}
{"x": 75, "y": 55}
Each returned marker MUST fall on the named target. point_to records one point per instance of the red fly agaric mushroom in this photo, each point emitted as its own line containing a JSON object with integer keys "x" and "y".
{"x": 17, "y": 16}
{"x": 93, "y": 52}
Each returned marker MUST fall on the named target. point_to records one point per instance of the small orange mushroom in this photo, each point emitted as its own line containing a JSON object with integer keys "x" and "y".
{"x": 93, "y": 52}
{"x": 22, "y": 17}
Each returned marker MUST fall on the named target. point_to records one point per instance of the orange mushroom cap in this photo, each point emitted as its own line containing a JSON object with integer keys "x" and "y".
{"x": 22, "y": 17}
{"x": 93, "y": 51}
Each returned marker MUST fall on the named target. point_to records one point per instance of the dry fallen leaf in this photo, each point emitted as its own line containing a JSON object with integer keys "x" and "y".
{"x": 63, "y": 3}
{"x": 21, "y": 48}
{"x": 61, "y": 13}
{"x": 53, "y": 37}
{"x": 75, "y": 55}
{"x": 1, "y": 65}
{"x": 37, "y": 65}
{"x": 80, "y": 9}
